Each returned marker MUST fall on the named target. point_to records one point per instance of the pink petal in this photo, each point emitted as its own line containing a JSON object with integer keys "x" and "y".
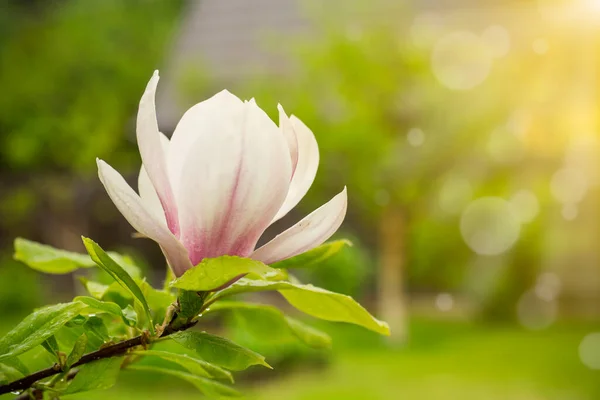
{"x": 153, "y": 157}
{"x": 234, "y": 178}
{"x": 307, "y": 234}
{"x": 142, "y": 219}
{"x": 306, "y": 168}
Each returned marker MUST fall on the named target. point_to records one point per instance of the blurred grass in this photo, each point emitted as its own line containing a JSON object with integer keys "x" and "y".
{"x": 445, "y": 360}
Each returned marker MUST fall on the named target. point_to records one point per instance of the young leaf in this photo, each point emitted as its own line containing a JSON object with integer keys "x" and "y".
{"x": 101, "y": 374}
{"x": 78, "y": 350}
{"x": 111, "y": 308}
{"x": 190, "y": 303}
{"x": 208, "y": 387}
{"x": 268, "y": 321}
{"x": 158, "y": 300}
{"x": 48, "y": 259}
{"x": 96, "y": 330}
{"x": 51, "y": 346}
{"x": 214, "y": 273}
{"x": 130, "y": 316}
{"x": 319, "y": 303}
{"x": 219, "y": 351}
{"x": 95, "y": 289}
{"x": 37, "y": 327}
{"x": 118, "y": 273}
{"x": 193, "y": 365}
{"x": 313, "y": 257}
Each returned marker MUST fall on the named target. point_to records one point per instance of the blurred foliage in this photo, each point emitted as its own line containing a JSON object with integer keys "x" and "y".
{"x": 351, "y": 271}
{"x": 73, "y": 71}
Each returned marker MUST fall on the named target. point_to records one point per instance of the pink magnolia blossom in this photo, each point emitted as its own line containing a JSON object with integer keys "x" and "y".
{"x": 227, "y": 173}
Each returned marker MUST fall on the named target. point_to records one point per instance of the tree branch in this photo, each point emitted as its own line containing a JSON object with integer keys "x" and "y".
{"x": 113, "y": 350}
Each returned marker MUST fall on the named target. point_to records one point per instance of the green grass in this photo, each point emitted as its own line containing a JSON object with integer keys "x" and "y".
{"x": 443, "y": 361}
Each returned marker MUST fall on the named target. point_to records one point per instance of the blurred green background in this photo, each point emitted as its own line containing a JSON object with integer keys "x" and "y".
{"x": 467, "y": 133}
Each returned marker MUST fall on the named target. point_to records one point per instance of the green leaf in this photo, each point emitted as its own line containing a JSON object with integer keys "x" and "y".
{"x": 190, "y": 304}
{"x": 119, "y": 274}
{"x": 313, "y": 257}
{"x": 111, "y": 308}
{"x": 219, "y": 351}
{"x": 51, "y": 346}
{"x": 126, "y": 263}
{"x": 9, "y": 374}
{"x": 37, "y": 327}
{"x": 193, "y": 365}
{"x": 95, "y": 289}
{"x": 96, "y": 330}
{"x": 206, "y": 386}
{"x": 130, "y": 316}
{"x": 158, "y": 300}
{"x": 214, "y": 273}
{"x": 77, "y": 320}
{"x": 318, "y": 302}
{"x": 49, "y": 259}
{"x": 78, "y": 350}
{"x": 311, "y": 336}
{"x": 267, "y": 321}
{"x": 12, "y": 369}
{"x": 101, "y": 374}
{"x": 169, "y": 277}
{"x": 16, "y": 364}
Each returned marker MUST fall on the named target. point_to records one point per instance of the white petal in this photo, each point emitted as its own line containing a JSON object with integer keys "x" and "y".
{"x": 142, "y": 220}
{"x": 310, "y": 232}
{"x": 290, "y": 135}
{"x": 306, "y": 168}
{"x": 149, "y": 197}
{"x": 234, "y": 179}
{"x": 153, "y": 156}
{"x": 147, "y": 191}
{"x": 201, "y": 119}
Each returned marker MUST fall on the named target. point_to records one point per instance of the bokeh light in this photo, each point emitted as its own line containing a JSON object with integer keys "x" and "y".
{"x": 569, "y": 185}
{"x": 525, "y": 205}
{"x": 455, "y": 193}
{"x": 548, "y": 286}
{"x": 505, "y": 147}
{"x": 589, "y": 350}
{"x": 540, "y": 46}
{"x": 415, "y": 137}
{"x": 570, "y": 211}
{"x": 536, "y": 313}
{"x": 461, "y": 60}
{"x": 497, "y": 39}
{"x": 444, "y": 301}
{"x": 489, "y": 226}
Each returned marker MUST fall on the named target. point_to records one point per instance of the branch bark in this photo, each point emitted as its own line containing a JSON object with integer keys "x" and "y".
{"x": 113, "y": 350}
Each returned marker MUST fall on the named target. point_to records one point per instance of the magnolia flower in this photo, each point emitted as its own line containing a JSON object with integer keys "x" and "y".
{"x": 227, "y": 173}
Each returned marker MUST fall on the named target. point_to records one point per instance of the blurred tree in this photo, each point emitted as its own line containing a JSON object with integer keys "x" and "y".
{"x": 72, "y": 73}
{"x": 383, "y": 127}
